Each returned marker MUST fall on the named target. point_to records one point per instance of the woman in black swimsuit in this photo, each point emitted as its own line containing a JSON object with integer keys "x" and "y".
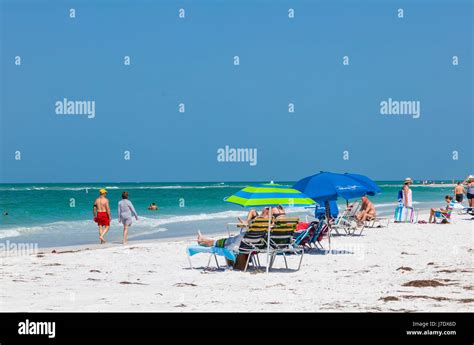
{"x": 278, "y": 211}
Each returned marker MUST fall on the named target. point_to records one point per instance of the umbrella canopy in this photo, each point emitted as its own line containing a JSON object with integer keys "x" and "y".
{"x": 327, "y": 186}
{"x": 368, "y": 182}
{"x": 269, "y": 195}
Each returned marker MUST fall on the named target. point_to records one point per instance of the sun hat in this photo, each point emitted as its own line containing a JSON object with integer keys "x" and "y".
{"x": 102, "y": 191}
{"x": 408, "y": 180}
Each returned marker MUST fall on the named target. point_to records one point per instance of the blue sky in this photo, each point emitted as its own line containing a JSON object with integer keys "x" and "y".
{"x": 190, "y": 61}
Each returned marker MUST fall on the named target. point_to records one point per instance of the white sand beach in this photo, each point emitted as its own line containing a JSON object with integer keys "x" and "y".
{"x": 404, "y": 267}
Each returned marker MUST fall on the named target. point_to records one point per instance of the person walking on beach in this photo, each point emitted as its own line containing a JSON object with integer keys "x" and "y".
{"x": 102, "y": 216}
{"x": 459, "y": 192}
{"x": 125, "y": 213}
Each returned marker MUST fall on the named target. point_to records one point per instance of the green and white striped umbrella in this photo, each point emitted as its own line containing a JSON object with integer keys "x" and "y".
{"x": 269, "y": 195}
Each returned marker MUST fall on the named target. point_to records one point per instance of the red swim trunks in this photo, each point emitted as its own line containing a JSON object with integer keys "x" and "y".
{"x": 103, "y": 219}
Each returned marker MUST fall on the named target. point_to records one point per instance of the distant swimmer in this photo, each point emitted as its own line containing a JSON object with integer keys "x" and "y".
{"x": 153, "y": 207}
{"x": 5, "y": 213}
{"x": 126, "y": 212}
{"x": 102, "y": 215}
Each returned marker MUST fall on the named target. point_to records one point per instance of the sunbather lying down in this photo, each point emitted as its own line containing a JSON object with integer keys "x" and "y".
{"x": 231, "y": 242}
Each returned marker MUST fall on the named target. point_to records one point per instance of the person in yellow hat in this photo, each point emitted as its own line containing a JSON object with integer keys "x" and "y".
{"x": 102, "y": 215}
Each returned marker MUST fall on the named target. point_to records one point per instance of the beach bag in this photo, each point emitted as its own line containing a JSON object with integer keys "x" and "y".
{"x": 400, "y": 195}
{"x": 404, "y": 214}
{"x": 301, "y": 226}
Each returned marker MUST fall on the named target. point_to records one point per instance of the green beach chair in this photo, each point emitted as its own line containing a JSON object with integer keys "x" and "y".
{"x": 252, "y": 243}
{"x": 281, "y": 240}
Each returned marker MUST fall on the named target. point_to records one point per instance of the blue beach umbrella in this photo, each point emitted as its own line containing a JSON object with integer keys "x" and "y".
{"x": 327, "y": 186}
{"x": 372, "y": 187}
{"x": 269, "y": 195}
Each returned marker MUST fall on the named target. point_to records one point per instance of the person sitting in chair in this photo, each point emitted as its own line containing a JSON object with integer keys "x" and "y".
{"x": 438, "y": 211}
{"x": 367, "y": 210}
{"x": 278, "y": 211}
{"x": 252, "y": 214}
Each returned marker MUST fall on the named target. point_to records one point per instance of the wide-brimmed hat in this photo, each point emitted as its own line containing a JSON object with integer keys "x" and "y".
{"x": 408, "y": 180}
{"x": 103, "y": 191}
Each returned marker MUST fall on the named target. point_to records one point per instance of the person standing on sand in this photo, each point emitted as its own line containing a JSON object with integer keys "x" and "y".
{"x": 469, "y": 190}
{"x": 102, "y": 215}
{"x": 404, "y": 211}
{"x": 459, "y": 192}
{"x": 407, "y": 194}
{"x": 125, "y": 213}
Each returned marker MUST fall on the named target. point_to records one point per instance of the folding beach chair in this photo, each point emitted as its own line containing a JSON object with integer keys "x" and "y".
{"x": 303, "y": 237}
{"x": 347, "y": 219}
{"x": 465, "y": 210}
{"x": 252, "y": 242}
{"x": 281, "y": 240}
{"x": 377, "y": 222}
{"x": 469, "y": 210}
{"x": 321, "y": 231}
{"x": 445, "y": 216}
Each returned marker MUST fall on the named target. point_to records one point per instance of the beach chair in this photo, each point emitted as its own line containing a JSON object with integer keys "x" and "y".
{"x": 377, "y": 222}
{"x": 321, "y": 231}
{"x": 465, "y": 210}
{"x": 445, "y": 216}
{"x": 253, "y": 241}
{"x": 303, "y": 237}
{"x": 281, "y": 240}
{"x": 347, "y": 220}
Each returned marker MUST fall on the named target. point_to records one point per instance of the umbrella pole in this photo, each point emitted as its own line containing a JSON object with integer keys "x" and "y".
{"x": 328, "y": 213}
{"x": 268, "y": 239}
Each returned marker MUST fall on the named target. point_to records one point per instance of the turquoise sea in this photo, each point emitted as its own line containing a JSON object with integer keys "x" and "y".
{"x": 61, "y": 214}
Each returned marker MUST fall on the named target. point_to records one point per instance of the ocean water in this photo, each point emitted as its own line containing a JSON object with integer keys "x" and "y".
{"x": 61, "y": 214}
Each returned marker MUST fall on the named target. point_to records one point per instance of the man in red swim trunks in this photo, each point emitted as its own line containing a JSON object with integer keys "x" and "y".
{"x": 102, "y": 214}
